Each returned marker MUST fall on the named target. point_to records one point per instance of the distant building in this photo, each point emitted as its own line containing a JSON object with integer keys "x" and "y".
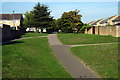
{"x": 113, "y": 20}
{"x": 33, "y": 29}
{"x": 14, "y": 20}
{"x": 116, "y": 21}
{"x": 97, "y": 22}
{"x": 106, "y": 26}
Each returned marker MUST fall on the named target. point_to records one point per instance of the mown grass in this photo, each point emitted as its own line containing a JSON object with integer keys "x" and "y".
{"x": 0, "y": 61}
{"x": 102, "y": 59}
{"x": 73, "y": 39}
{"x": 34, "y": 34}
{"x": 31, "y": 58}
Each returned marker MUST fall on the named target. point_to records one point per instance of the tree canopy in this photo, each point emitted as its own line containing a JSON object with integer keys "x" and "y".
{"x": 70, "y": 22}
{"x": 28, "y": 22}
{"x": 39, "y": 17}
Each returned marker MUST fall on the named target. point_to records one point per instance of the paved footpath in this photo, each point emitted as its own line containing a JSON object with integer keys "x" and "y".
{"x": 72, "y": 64}
{"x": 92, "y": 44}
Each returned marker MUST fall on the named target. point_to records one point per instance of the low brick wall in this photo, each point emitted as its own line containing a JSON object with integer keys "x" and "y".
{"x": 117, "y": 31}
{"x": 96, "y": 30}
{"x": 89, "y": 31}
{"x": 105, "y": 30}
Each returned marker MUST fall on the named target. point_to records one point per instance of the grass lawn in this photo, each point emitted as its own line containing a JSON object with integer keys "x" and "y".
{"x": 31, "y": 58}
{"x": 102, "y": 59}
{"x": 0, "y": 61}
{"x": 73, "y": 39}
{"x": 34, "y": 34}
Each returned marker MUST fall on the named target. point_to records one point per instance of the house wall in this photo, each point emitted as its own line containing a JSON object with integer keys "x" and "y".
{"x": 105, "y": 30}
{"x": 11, "y": 23}
{"x": 1, "y": 22}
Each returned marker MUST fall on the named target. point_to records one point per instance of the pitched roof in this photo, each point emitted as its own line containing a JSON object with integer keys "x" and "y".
{"x": 10, "y": 16}
{"x": 90, "y": 22}
{"x": 117, "y": 18}
{"x": 106, "y": 20}
{"x": 96, "y": 22}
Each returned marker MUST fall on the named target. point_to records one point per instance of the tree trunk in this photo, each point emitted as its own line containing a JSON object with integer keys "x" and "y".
{"x": 36, "y": 29}
{"x": 41, "y": 30}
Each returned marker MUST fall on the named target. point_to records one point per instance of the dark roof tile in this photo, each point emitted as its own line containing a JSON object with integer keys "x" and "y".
{"x": 10, "y": 16}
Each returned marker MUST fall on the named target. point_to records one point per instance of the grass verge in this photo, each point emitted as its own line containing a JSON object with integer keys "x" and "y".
{"x": 74, "y": 39}
{"x": 102, "y": 59}
{"x": 31, "y": 58}
{"x": 34, "y": 34}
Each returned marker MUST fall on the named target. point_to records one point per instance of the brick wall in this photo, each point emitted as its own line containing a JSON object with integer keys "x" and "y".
{"x": 89, "y": 30}
{"x": 96, "y": 30}
{"x": 105, "y": 30}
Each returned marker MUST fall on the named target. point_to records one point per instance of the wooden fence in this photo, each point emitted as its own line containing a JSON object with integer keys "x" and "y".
{"x": 8, "y": 34}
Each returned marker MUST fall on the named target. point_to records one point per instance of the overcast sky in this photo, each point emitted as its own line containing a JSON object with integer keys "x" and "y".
{"x": 89, "y": 10}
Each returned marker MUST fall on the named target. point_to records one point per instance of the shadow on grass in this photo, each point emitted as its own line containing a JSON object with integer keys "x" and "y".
{"x": 60, "y": 79}
{"x": 12, "y": 42}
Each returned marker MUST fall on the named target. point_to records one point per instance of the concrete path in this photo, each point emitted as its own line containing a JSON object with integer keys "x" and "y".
{"x": 72, "y": 64}
{"x": 92, "y": 44}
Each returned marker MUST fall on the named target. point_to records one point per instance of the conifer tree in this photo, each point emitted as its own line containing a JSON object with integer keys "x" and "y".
{"x": 41, "y": 16}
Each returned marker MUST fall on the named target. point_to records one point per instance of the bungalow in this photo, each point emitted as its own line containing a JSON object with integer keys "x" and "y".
{"x": 113, "y": 20}
{"x": 107, "y": 21}
{"x": 14, "y": 20}
{"x": 96, "y": 23}
{"x": 107, "y": 26}
{"x": 116, "y": 21}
